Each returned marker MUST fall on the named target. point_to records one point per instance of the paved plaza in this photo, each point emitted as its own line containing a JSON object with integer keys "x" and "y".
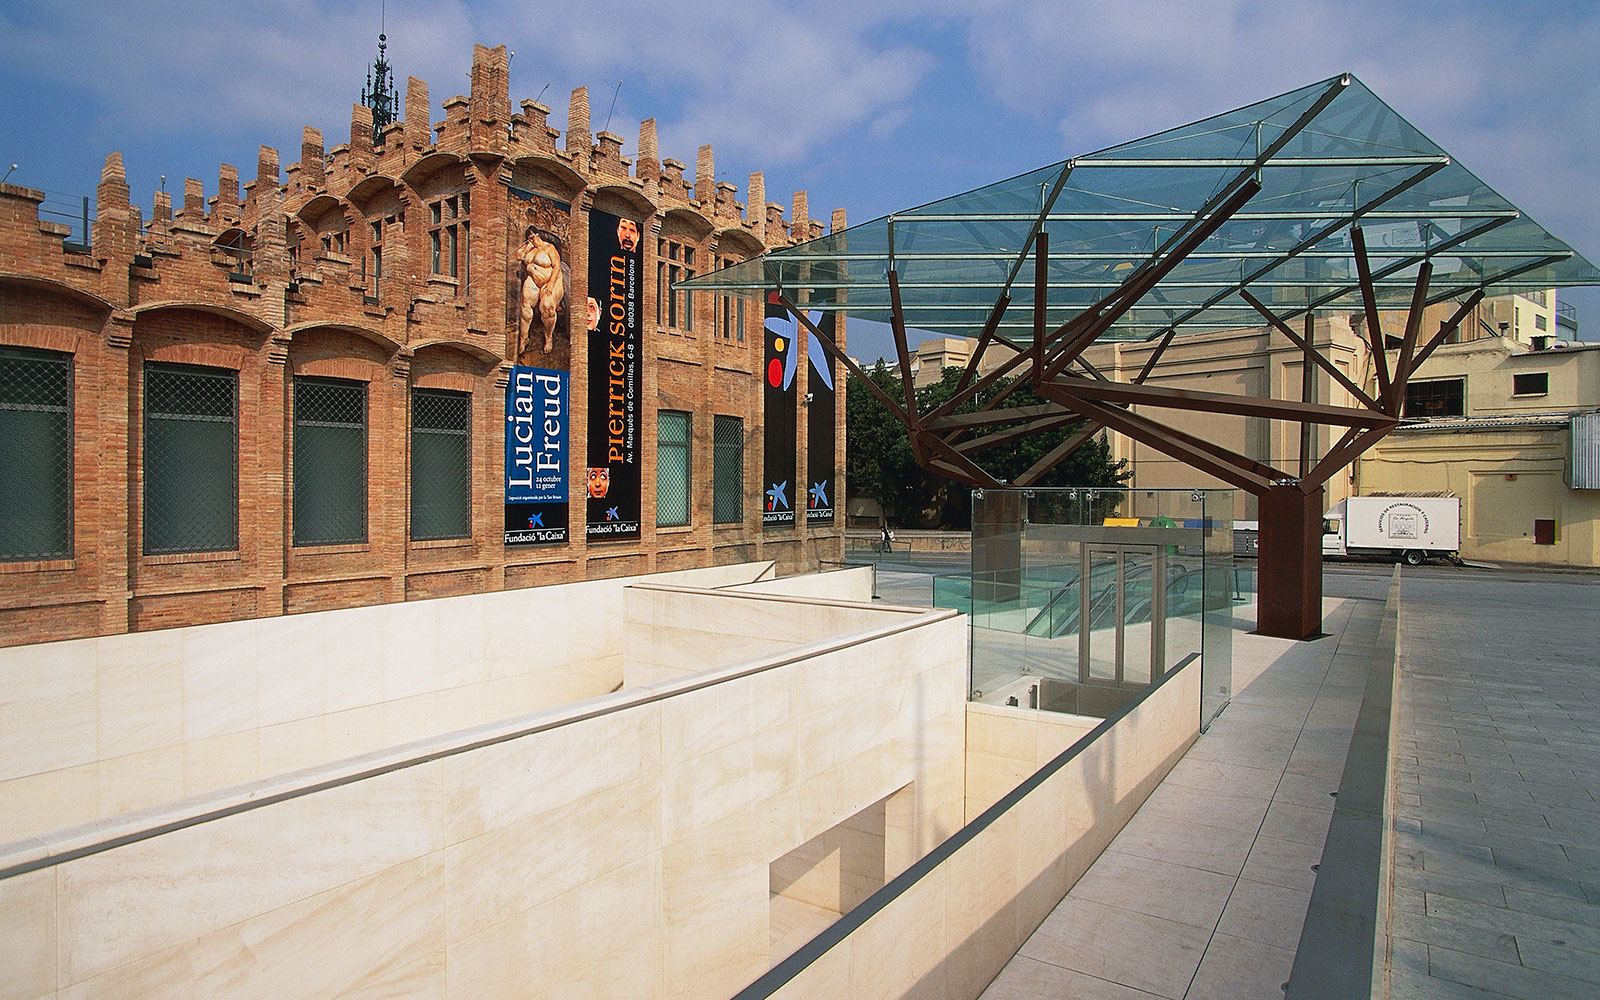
{"x": 1497, "y": 839}
{"x": 1497, "y": 847}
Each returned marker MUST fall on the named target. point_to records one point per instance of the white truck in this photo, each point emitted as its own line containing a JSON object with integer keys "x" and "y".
{"x": 1410, "y": 528}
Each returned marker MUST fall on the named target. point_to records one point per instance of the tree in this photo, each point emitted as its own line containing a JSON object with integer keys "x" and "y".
{"x": 878, "y": 459}
{"x": 881, "y": 466}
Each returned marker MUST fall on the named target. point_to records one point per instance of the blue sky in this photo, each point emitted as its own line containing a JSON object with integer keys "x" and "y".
{"x": 867, "y": 106}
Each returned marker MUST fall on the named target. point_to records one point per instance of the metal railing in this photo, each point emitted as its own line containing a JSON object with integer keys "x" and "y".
{"x": 75, "y": 211}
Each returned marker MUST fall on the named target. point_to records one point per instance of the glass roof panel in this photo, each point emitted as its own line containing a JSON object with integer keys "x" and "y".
{"x": 1325, "y": 155}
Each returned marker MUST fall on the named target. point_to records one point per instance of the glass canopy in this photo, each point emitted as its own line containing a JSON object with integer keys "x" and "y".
{"x": 1326, "y": 156}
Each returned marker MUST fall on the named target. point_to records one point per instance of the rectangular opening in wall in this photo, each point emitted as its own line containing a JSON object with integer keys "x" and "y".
{"x": 1441, "y": 397}
{"x": 827, "y": 877}
{"x": 1544, "y": 531}
{"x": 1531, "y": 384}
{"x": 35, "y": 454}
{"x": 191, "y": 433}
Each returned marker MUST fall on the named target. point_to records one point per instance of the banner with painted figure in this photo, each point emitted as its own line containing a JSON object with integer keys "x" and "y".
{"x": 778, "y": 405}
{"x": 539, "y": 345}
{"x": 538, "y": 327}
{"x": 820, "y": 463}
{"x": 613, "y": 314}
{"x": 536, "y": 456}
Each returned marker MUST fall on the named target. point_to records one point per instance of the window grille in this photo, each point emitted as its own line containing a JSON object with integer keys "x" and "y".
{"x": 674, "y": 307}
{"x": 727, "y": 477}
{"x": 447, "y": 234}
{"x": 1531, "y": 384}
{"x": 330, "y": 461}
{"x": 672, "y": 468}
{"x": 35, "y": 454}
{"x": 441, "y": 464}
{"x": 1445, "y": 397}
{"x": 191, "y": 480}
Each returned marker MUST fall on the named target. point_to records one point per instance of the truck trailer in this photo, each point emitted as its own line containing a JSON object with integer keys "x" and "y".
{"x": 1408, "y": 528}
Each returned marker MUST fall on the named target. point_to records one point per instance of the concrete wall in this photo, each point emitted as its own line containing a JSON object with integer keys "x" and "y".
{"x": 1506, "y": 478}
{"x": 852, "y": 584}
{"x": 1256, "y": 362}
{"x": 1005, "y": 745}
{"x": 618, "y": 848}
{"x": 948, "y": 933}
{"x": 675, "y": 632}
{"x": 91, "y": 728}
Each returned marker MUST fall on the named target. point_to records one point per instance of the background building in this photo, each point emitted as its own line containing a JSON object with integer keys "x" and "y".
{"x": 1500, "y": 416}
{"x": 294, "y": 397}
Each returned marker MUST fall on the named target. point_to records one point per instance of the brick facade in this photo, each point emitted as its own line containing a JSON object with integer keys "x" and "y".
{"x": 280, "y": 282}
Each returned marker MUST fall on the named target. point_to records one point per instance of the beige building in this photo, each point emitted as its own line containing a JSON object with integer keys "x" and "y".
{"x": 1491, "y": 417}
{"x": 1504, "y": 424}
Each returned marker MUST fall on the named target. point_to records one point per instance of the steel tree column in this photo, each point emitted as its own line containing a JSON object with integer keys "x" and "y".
{"x": 1289, "y": 566}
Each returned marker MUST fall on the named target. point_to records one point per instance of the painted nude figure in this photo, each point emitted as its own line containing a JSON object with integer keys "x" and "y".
{"x": 542, "y": 287}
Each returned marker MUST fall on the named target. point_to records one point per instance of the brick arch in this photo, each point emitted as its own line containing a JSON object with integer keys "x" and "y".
{"x": 444, "y": 355}
{"x": 370, "y": 189}
{"x": 337, "y": 351}
{"x": 375, "y": 337}
{"x": 319, "y": 207}
{"x": 686, "y": 222}
{"x": 420, "y": 173}
{"x": 738, "y": 241}
{"x": 623, "y": 201}
{"x": 68, "y": 321}
{"x": 154, "y": 311}
{"x": 547, "y": 175}
{"x": 199, "y": 334}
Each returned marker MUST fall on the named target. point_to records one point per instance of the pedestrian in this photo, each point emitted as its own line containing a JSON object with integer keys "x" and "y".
{"x": 888, "y": 536}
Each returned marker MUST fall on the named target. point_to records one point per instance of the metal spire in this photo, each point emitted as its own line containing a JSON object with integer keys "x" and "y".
{"x": 380, "y": 94}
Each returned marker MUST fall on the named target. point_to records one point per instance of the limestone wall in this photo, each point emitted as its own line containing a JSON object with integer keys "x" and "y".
{"x": 91, "y": 728}
{"x": 961, "y": 914}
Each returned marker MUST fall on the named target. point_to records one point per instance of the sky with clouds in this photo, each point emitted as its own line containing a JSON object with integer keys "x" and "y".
{"x": 867, "y": 106}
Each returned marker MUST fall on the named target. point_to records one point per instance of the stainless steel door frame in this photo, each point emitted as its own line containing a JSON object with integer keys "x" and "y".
{"x": 1117, "y": 553}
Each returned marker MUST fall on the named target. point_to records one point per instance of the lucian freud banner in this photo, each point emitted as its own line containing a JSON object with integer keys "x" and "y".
{"x": 539, "y": 343}
{"x": 613, "y": 315}
{"x": 538, "y": 333}
{"x": 536, "y": 456}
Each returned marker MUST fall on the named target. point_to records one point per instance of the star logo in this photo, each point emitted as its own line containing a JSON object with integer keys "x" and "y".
{"x": 612, "y": 515}
{"x": 819, "y": 494}
{"x": 535, "y": 520}
{"x": 777, "y": 495}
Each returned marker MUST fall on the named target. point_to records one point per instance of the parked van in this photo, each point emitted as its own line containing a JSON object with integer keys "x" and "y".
{"x": 1409, "y": 528}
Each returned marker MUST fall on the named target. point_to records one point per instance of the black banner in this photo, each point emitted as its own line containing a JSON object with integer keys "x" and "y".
{"x": 778, "y": 415}
{"x": 614, "y": 356}
{"x": 820, "y": 463}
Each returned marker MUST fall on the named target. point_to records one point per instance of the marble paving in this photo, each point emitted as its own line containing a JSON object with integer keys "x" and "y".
{"x": 1203, "y": 894}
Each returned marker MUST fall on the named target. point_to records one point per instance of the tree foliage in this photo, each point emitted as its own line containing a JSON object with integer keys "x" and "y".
{"x": 880, "y": 464}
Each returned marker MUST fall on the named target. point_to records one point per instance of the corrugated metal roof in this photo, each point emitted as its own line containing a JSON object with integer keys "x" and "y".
{"x": 1413, "y": 493}
{"x": 1507, "y": 421}
{"x": 1586, "y": 451}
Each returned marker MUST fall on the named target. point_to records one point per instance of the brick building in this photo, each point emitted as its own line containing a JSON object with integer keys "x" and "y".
{"x": 297, "y": 398}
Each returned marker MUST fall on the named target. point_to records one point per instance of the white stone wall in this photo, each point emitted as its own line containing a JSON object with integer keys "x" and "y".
{"x": 621, "y": 848}
{"x": 955, "y": 928}
{"x": 91, "y": 728}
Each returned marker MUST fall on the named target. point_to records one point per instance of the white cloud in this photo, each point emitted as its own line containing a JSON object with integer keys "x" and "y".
{"x": 178, "y": 69}
{"x": 757, "y": 78}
